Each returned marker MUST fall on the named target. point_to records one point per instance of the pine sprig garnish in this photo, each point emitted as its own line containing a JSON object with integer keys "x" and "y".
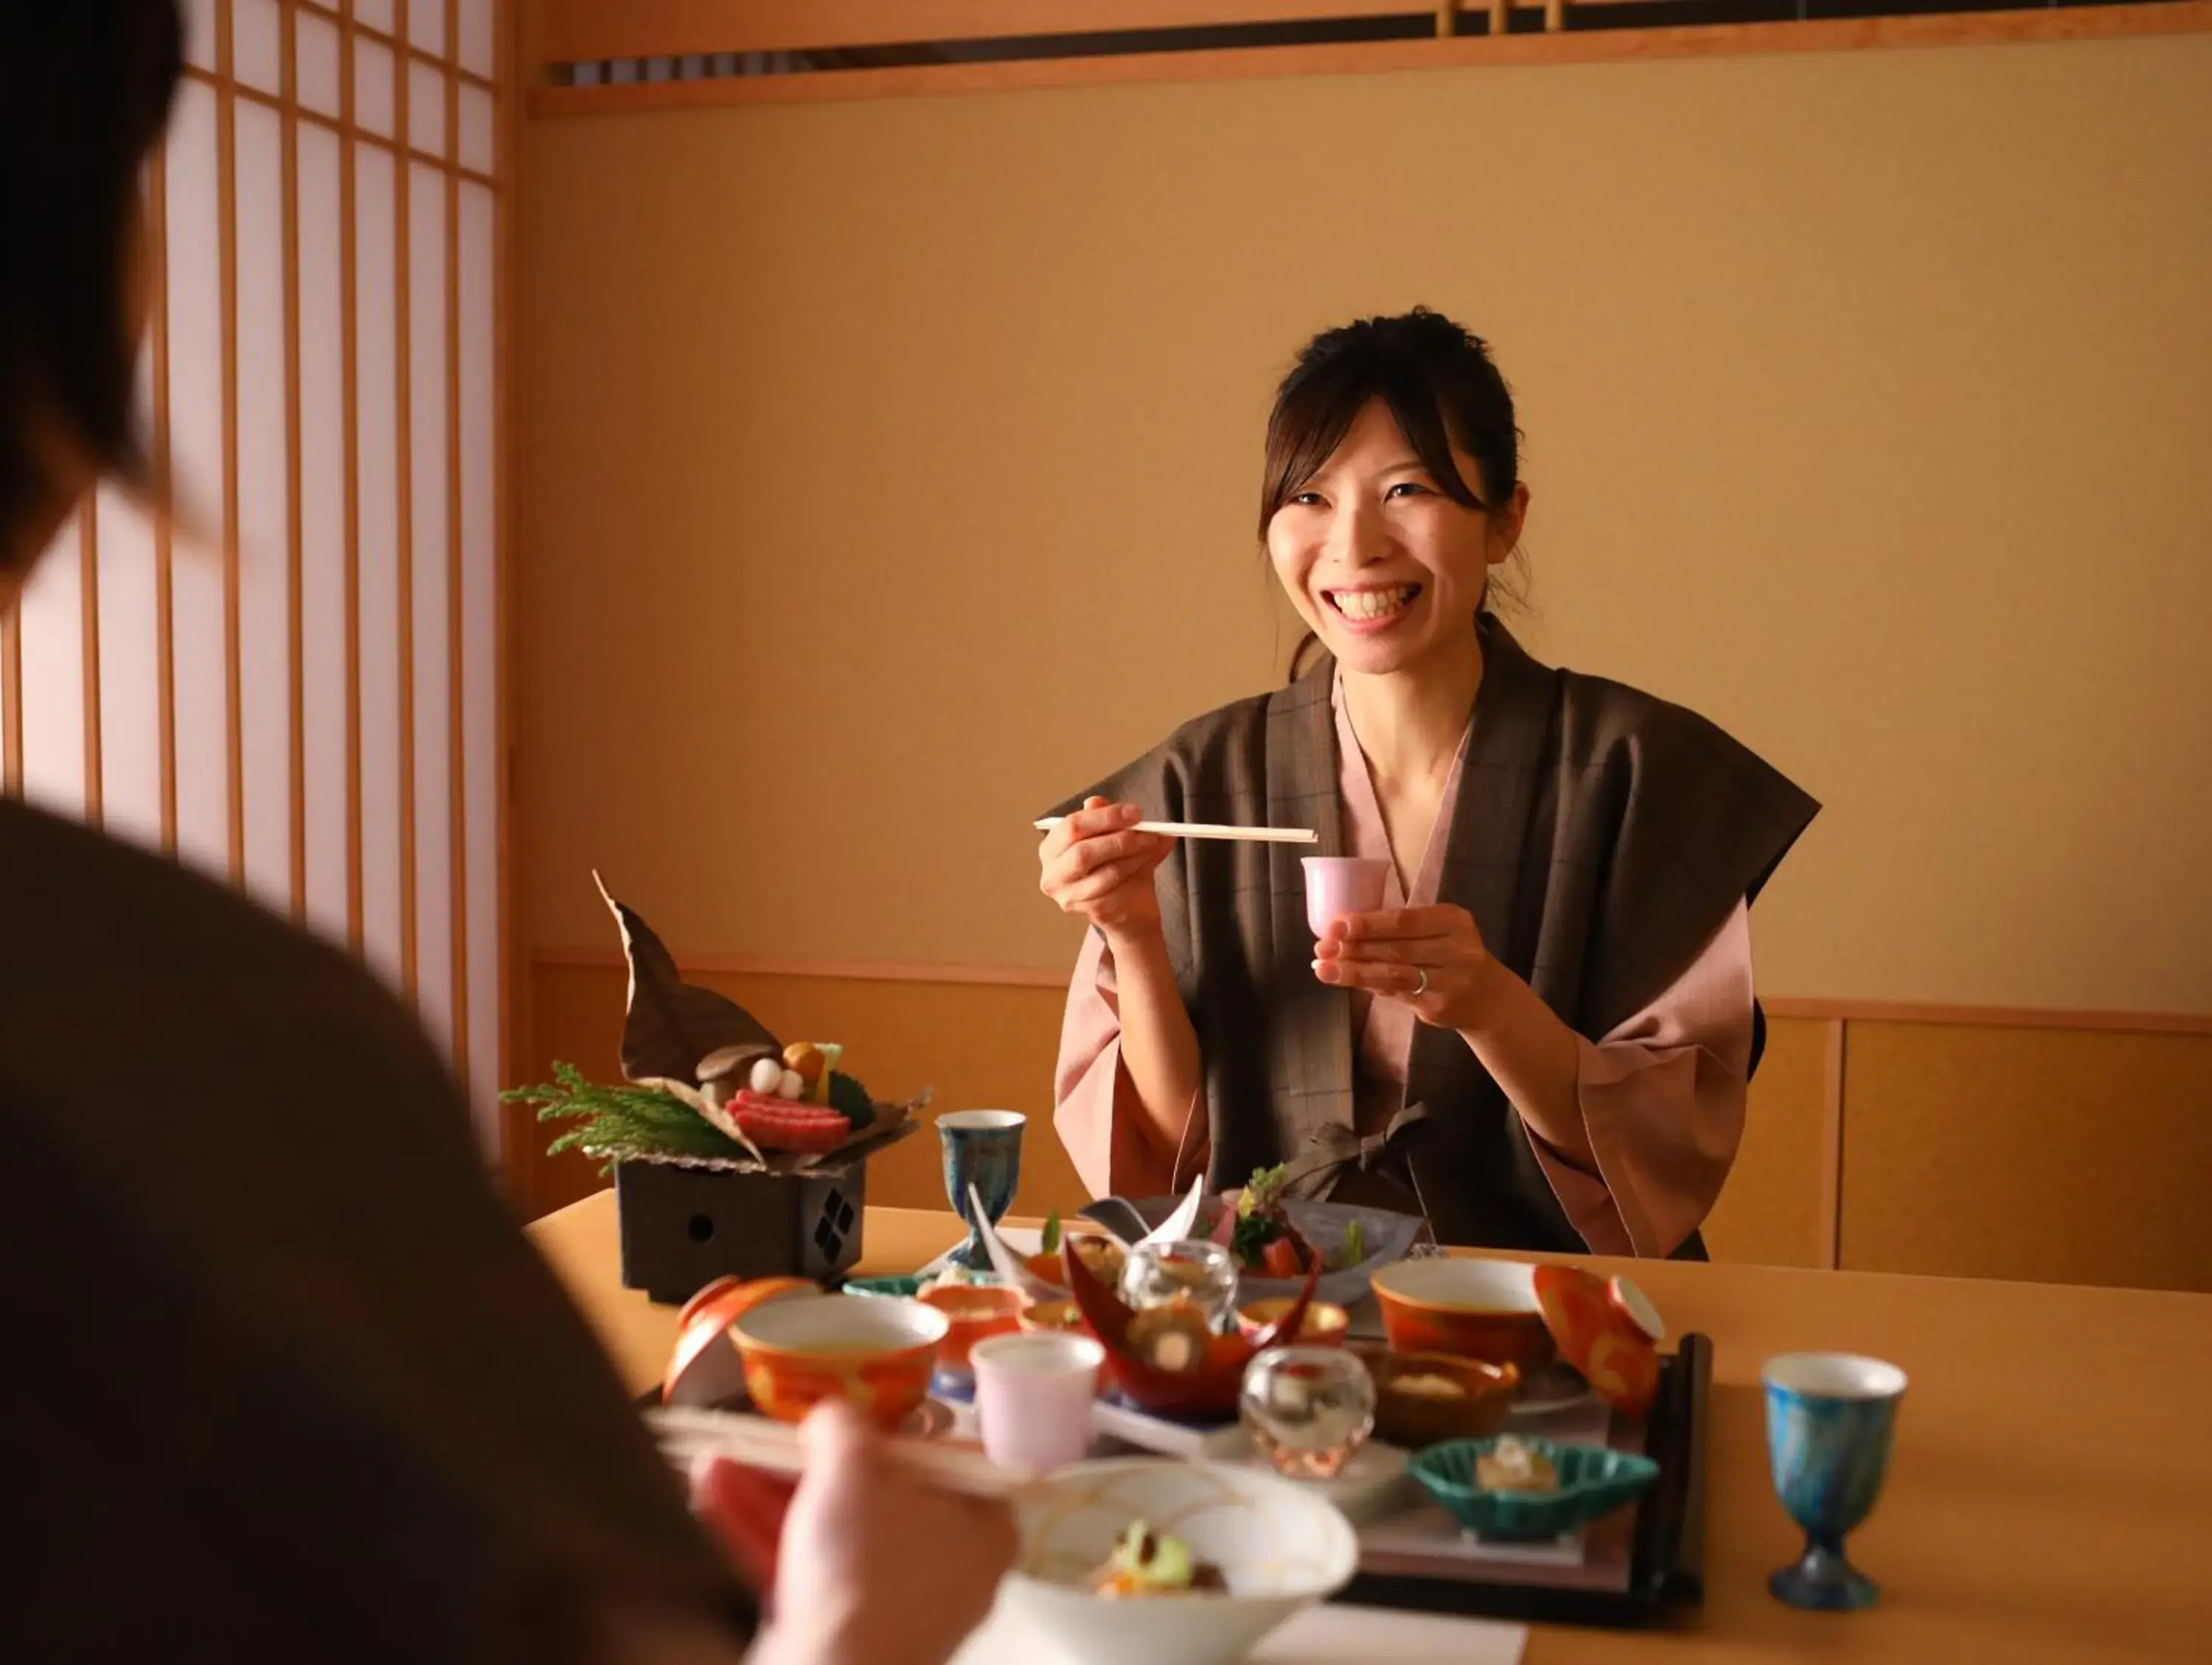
{"x": 615, "y": 1122}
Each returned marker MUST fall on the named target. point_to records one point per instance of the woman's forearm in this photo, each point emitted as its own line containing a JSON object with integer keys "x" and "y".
{"x": 1535, "y": 1059}
{"x": 1159, "y": 1047}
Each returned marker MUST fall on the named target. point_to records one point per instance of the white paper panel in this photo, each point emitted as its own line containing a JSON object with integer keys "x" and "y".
{"x": 479, "y": 647}
{"x": 479, "y": 49}
{"x": 196, "y": 395}
{"x": 322, "y": 502}
{"x": 53, "y": 676}
{"x": 129, "y": 699}
{"x": 372, "y": 87}
{"x": 315, "y": 53}
{"x": 376, "y": 330}
{"x": 433, "y": 891}
{"x": 264, "y": 510}
{"x": 257, "y": 44}
{"x": 373, "y": 14}
{"x": 479, "y": 147}
{"x": 426, "y": 109}
{"x": 426, "y": 25}
{"x": 199, "y": 32}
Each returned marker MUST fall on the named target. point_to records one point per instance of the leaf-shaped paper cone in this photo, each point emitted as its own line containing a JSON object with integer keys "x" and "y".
{"x": 671, "y": 1026}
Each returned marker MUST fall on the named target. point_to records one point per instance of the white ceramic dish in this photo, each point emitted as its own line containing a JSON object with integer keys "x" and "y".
{"x": 1280, "y": 1547}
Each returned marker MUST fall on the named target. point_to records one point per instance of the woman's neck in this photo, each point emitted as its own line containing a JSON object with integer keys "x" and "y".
{"x": 1410, "y": 722}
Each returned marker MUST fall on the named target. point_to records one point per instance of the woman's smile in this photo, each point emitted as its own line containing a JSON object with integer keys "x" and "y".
{"x": 1371, "y": 609}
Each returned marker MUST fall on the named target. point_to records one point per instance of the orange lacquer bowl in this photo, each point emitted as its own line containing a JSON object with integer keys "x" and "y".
{"x": 976, "y": 1312}
{"x": 1054, "y": 1316}
{"x": 878, "y": 1354}
{"x": 1324, "y": 1325}
{"x": 1473, "y": 1309}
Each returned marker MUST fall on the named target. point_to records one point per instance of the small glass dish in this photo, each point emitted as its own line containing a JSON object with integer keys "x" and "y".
{"x": 1204, "y": 1274}
{"x": 1308, "y": 1409}
{"x": 1593, "y": 1482}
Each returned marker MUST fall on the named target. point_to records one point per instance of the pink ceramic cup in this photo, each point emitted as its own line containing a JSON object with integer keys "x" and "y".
{"x": 1341, "y": 884}
{"x": 1033, "y": 1394}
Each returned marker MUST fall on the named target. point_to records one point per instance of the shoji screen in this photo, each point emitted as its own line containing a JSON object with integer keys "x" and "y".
{"x": 294, "y": 687}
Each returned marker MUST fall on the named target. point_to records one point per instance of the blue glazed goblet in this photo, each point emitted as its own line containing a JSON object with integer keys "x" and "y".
{"x": 1829, "y": 1420}
{"x": 982, "y": 1148}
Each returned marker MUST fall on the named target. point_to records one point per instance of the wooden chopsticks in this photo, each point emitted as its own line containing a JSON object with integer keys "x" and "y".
{"x": 1206, "y": 830}
{"x": 686, "y": 1434}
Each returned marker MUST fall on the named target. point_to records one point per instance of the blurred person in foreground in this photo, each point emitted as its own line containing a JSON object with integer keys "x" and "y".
{"x": 282, "y": 1379}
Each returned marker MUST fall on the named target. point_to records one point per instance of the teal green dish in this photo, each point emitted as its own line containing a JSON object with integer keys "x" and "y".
{"x": 909, "y": 1286}
{"x": 1593, "y": 1482}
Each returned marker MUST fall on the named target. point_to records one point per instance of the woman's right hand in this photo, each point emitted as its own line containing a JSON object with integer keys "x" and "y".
{"x": 1100, "y": 870}
{"x": 875, "y": 1567}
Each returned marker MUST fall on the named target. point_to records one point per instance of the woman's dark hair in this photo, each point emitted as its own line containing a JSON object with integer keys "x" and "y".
{"x": 1441, "y": 386}
{"x": 85, "y": 89}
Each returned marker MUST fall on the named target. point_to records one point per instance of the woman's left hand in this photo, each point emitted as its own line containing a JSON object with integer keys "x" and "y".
{"x": 1430, "y": 959}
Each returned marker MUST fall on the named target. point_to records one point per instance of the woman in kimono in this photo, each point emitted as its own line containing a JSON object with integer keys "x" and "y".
{"x": 1542, "y": 1040}
{"x": 282, "y": 1379}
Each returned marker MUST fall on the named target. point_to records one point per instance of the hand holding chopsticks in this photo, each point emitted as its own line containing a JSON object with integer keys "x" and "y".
{"x": 1098, "y": 863}
{"x": 686, "y": 1435}
{"x": 870, "y": 1561}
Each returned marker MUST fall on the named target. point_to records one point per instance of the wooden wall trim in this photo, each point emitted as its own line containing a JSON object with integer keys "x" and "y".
{"x": 88, "y": 532}
{"x": 764, "y": 965}
{"x": 517, "y": 1157}
{"x": 403, "y": 404}
{"x": 569, "y": 31}
{"x": 1569, "y": 46}
{"x": 165, "y": 635}
{"x": 233, "y": 707}
{"x": 1990, "y": 1017}
{"x": 456, "y": 773}
{"x": 349, "y": 421}
{"x": 1835, "y": 1012}
{"x": 11, "y": 698}
{"x": 295, "y": 514}
{"x": 1829, "y": 1224}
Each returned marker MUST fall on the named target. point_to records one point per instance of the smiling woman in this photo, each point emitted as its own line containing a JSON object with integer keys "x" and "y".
{"x": 1541, "y": 1040}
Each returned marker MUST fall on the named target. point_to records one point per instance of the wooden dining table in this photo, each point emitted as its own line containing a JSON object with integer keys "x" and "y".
{"x": 2049, "y": 1496}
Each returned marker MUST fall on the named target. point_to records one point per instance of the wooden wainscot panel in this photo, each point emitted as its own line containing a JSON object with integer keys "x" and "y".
{"x": 979, "y": 1045}
{"x": 2047, "y": 1154}
{"x": 1769, "y": 1214}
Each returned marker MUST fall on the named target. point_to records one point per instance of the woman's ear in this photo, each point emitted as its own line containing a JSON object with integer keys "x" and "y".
{"x": 1507, "y": 522}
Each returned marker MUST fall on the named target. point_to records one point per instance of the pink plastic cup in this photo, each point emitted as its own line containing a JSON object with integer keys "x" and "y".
{"x": 1341, "y": 884}
{"x": 1033, "y": 1394}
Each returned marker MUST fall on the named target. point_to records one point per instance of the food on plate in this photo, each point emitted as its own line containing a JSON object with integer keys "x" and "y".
{"x": 1172, "y": 1337}
{"x": 1149, "y": 1563}
{"x": 1427, "y": 1385}
{"x": 1259, "y": 1232}
{"x": 1101, "y": 1253}
{"x": 1512, "y": 1465}
{"x": 950, "y": 1275}
{"x": 808, "y": 1063}
{"x": 1104, "y": 1256}
{"x": 777, "y": 1123}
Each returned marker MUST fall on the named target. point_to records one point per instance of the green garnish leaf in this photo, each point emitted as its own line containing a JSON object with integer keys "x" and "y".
{"x": 1355, "y": 1244}
{"x": 624, "y": 1121}
{"x": 1051, "y": 1240}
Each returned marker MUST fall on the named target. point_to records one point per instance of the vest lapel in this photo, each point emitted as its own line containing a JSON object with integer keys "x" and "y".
{"x": 1476, "y": 1165}
{"x": 1310, "y": 1039}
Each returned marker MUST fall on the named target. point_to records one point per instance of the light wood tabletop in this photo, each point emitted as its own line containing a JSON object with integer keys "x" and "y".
{"x": 2049, "y": 1496}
